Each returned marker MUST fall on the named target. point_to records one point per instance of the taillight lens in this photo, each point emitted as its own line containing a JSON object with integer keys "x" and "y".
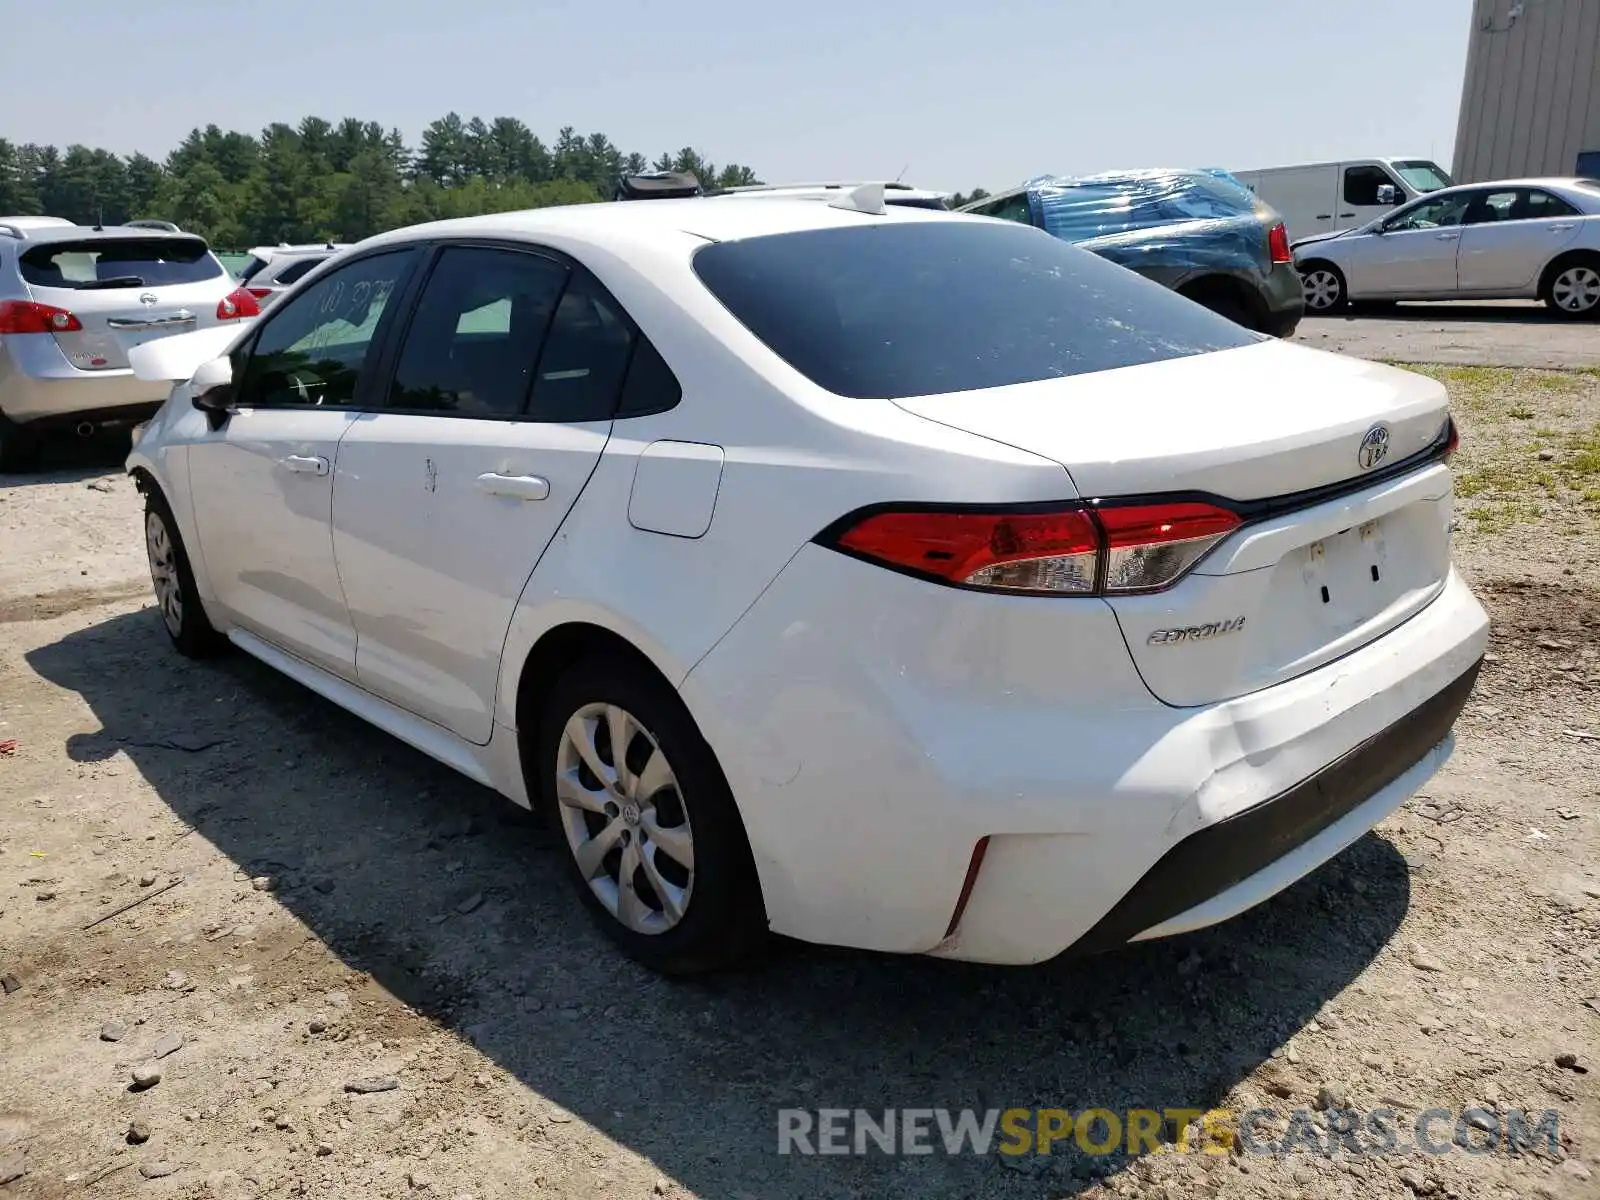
{"x": 1034, "y": 552}
{"x": 259, "y": 293}
{"x": 237, "y": 303}
{"x": 1069, "y": 551}
{"x": 24, "y": 316}
{"x": 1278, "y": 243}
{"x": 1453, "y": 442}
{"x": 1152, "y": 546}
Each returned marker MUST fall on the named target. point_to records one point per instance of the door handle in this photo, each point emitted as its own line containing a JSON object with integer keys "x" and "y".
{"x": 1448, "y": 237}
{"x": 1564, "y": 227}
{"x": 1324, "y": 216}
{"x": 518, "y": 487}
{"x": 1349, "y": 214}
{"x": 306, "y": 464}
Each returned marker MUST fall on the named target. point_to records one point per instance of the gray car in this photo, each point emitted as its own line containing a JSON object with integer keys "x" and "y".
{"x": 73, "y": 301}
{"x": 273, "y": 270}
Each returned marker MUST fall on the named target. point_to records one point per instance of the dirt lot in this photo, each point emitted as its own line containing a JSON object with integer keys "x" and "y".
{"x": 343, "y": 910}
{"x": 1513, "y": 333}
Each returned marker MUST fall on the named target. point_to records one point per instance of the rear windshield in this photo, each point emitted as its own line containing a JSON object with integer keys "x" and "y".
{"x": 918, "y": 202}
{"x": 915, "y": 309}
{"x": 119, "y": 262}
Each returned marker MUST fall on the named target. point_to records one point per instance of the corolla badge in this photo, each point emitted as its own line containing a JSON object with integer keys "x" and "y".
{"x": 147, "y": 298}
{"x": 1374, "y": 447}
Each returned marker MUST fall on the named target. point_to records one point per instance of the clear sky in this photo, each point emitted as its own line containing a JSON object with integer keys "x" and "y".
{"x": 979, "y": 93}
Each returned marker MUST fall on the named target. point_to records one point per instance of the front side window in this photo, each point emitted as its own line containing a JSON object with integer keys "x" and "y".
{"x": 98, "y": 263}
{"x": 1429, "y": 214}
{"x": 1361, "y": 185}
{"x": 316, "y": 346}
{"x": 1485, "y": 208}
{"x": 920, "y": 308}
{"x": 472, "y": 346}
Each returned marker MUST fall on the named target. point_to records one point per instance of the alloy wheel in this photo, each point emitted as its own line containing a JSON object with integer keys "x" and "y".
{"x": 164, "y": 572}
{"x": 624, "y": 818}
{"x": 1322, "y": 288}
{"x": 1576, "y": 290}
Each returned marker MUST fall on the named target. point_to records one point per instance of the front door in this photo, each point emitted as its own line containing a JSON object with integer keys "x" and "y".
{"x": 263, "y": 481}
{"x": 1414, "y": 255}
{"x": 500, "y": 403}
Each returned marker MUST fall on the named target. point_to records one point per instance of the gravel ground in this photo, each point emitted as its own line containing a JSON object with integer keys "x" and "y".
{"x": 358, "y": 975}
{"x": 1513, "y": 333}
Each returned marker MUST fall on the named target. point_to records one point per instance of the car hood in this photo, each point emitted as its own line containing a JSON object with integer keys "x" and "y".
{"x": 1320, "y": 237}
{"x": 175, "y": 359}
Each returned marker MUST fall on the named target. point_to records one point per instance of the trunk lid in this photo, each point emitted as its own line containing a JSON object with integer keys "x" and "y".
{"x": 125, "y": 292}
{"x": 1290, "y": 590}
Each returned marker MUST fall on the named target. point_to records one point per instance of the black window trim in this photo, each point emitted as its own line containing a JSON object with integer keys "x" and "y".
{"x": 373, "y": 392}
{"x": 358, "y": 402}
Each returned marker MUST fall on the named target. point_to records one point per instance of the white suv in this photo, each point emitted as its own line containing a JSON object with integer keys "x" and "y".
{"x": 272, "y": 270}
{"x": 74, "y": 301}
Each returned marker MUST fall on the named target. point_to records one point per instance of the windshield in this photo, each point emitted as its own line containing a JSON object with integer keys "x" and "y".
{"x": 119, "y": 262}
{"x": 1423, "y": 175}
{"x": 916, "y": 309}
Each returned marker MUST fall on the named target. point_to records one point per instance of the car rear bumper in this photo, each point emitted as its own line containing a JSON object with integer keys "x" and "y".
{"x": 877, "y": 729}
{"x": 1284, "y": 299}
{"x": 58, "y": 392}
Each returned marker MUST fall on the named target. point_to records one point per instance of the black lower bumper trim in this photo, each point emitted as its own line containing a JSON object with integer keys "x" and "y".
{"x": 1209, "y": 862}
{"x": 122, "y": 414}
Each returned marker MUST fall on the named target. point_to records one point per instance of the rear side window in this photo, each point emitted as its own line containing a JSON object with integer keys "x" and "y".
{"x": 472, "y": 345}
{"x": 119, "y": 262}
{"x": 584, "y": 358}
{"x": 916, "y": 309}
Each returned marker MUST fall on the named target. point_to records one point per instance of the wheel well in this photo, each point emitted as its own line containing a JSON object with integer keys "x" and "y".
{"x": 1227, "y": 291}
{"x": 1564, "y": 260}
{"x": 144, "y": 482}
{"x": 551, "y": 655}
{"x": 1312, "y": 264}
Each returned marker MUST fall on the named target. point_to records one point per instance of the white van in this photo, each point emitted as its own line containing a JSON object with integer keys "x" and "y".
{"x": 1327, "y": 197}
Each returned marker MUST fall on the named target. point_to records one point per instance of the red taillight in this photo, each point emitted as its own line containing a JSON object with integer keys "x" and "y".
{"x": 259, "y": 293}
{"x": 237, "y": 303}
{"x": 24, "y": 316}
{"x": 1069, "y": 551}
{"x": 1453, "y": 443}
{"x": 1152, "y": 546}
{"x": 1278, "y": 243}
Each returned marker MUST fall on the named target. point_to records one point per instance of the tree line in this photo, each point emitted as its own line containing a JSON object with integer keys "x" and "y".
{"x": 321, "y": 181}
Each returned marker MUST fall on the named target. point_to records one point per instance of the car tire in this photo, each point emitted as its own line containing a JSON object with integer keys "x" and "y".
{"x": 1572, "y": 289}
{"x": 19, "y": 447}
{"x": 177, "y": 598}
{"x": 628, "y": 833}
{"x": 1324, "y": 288}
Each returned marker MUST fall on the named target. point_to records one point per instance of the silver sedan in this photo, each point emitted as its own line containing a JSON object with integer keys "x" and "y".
{"x": 1535, "y": 239}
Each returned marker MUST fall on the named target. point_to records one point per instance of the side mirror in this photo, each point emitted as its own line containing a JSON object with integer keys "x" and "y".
{"x": 212, "y": 388}
{"x": 1388, "y": 194}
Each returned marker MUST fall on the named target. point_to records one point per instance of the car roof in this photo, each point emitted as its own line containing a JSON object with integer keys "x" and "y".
{"x": 1545, "y": 181}
{"x": 893, "y": 190}
{"x": 692, "y": 216}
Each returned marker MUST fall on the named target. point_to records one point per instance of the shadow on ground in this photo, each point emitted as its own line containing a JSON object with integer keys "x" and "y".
{"x": 67, "y": 458}
{"x": 1449, "y": 311}
{"x": 692, "y": 1075}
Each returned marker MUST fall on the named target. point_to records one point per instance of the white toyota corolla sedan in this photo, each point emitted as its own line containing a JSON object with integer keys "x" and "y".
{"x": 879, "y": 577}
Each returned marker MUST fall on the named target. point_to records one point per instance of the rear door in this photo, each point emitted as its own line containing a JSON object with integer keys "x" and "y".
{"x": 121, "y": 292}
{"x": 500, "y": 402}
{"x": 1509, "y": 235}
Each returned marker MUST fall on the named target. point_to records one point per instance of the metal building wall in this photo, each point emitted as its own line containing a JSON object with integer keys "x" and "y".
{"x": 1530, "y": 103}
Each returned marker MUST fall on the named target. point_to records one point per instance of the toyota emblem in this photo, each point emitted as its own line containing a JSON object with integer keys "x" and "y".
{"x": 1374, "y": 447}
{"x": 147, "y": 298}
